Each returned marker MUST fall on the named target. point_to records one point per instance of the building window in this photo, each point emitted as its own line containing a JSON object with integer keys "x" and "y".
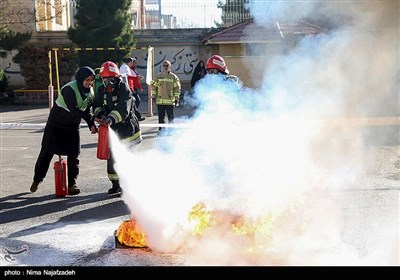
{"x": 52, "y": 15}
{"x": 58, "y": 8}
{"x": 41, "y": 15}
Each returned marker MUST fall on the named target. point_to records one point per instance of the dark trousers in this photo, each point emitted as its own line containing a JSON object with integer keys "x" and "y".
{"x": 161, "y": 110}
{"x": 137, "y": 98}
{"x": 43, "y": 163}
{"x": 137, "y": 113}
{"x": 137, "y": 103}
{"x": 112, "y": 174}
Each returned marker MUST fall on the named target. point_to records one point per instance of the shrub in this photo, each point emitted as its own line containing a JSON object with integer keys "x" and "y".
{"x": 34, "y": 64}
{"x": 3, "y": 81}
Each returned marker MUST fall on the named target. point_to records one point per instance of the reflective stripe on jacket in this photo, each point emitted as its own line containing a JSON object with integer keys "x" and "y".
{"x": 118, "y": 107}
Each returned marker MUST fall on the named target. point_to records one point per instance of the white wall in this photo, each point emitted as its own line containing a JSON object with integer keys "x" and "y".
{"x": 12, "y": 70}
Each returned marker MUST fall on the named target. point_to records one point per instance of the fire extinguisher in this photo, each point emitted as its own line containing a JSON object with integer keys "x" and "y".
{"x": 103, "y": 145}
{"x": 60, "y": 174}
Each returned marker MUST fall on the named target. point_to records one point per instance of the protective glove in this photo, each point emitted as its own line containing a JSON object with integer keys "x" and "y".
{"x": 176, "y": 103}
{"x": 99, "y": 116}
{"x": 104, "y": 120}
{"x": 108, "y": 121}
{"x": 100, "y": 120}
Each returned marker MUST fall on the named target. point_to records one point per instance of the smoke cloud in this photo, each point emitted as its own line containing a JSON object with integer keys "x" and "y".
{"x": 271, "y": 170}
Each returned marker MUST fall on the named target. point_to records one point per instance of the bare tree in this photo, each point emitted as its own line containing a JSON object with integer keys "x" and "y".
{"x": 14, "y": 12}
{"x": 9, "y": 39}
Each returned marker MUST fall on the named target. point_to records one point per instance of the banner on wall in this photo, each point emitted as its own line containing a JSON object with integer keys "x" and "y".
{"x": 149, "y": 71}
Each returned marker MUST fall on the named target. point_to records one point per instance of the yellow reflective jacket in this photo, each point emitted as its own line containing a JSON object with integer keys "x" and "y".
{"x": 166, "y": 88}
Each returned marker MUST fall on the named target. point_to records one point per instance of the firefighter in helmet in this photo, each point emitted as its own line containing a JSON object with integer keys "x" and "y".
{"x": 216, "y": 65}
{"x": 114, "y": 106}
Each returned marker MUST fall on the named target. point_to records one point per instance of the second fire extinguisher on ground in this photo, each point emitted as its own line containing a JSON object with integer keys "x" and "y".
{"x": 60, "y": 175}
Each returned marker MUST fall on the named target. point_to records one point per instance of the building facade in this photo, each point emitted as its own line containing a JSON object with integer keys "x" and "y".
{"x": 245, "y": 46}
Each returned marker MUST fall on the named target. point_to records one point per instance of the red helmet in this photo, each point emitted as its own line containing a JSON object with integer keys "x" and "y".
{"x": 109, "y": 69}
{"x": 217, "y": 62}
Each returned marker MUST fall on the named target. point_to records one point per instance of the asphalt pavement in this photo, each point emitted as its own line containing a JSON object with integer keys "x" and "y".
{"x": 42, "y": 230}
{"x": 73, "y": 230}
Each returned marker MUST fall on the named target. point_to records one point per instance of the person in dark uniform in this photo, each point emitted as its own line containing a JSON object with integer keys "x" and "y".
{"x": 216, "y": 65}
{"x": 114, "y": 106}
{"x": 62, "y": 132}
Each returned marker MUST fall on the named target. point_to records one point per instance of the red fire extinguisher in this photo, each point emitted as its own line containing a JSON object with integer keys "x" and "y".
{"x": 60, "y": 174}
{"x": 103, "y": 145}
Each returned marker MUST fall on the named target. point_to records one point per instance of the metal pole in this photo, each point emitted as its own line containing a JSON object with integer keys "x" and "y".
{"x": 57, "y": 74}
{"x": 160, "y": 14}
{"x": 142, "y": 15}
{"x": 149, "y": 78}
{"x": 51, "y": 88}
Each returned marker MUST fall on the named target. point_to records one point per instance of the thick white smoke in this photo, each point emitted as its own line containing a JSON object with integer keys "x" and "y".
{"x": 280, "y": 157}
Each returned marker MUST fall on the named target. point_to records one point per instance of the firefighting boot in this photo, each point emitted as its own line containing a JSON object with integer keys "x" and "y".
{"x": 73, "y": 190}
{"x": 116, "y": 189}
{"x": 35, "y": 185}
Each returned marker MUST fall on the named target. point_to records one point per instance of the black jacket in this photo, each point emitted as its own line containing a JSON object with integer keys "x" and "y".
{"x": 118, "y": 106}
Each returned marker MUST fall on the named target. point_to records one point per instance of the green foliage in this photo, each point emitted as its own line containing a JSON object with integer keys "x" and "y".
{"x": 3, "y": 81}
{"x": 34, "y": 64}
{"x": 102, "y": 24}
{"x": 10, "y": 40}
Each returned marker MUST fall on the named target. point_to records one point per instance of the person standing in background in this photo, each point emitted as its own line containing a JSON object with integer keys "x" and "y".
{"x": 166, "y": 90}
{"x": 136, "y": 86}
{"x": 125, "y": 69}
{"x": 128, "y": 76}
{"x": 198, "y": 73}
{"x": 62, "y": 132}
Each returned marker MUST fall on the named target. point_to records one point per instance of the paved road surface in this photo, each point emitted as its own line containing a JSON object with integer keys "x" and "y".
{"x": 79, "y": 230}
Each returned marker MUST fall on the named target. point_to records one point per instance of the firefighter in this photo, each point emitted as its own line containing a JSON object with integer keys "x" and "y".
{"x": 216, "y": 65}
{"x": 137, "y": 87}
{"x": 114, "y": 106}
{"x": 166, "y": 90}
{"x": 62, "y": 132}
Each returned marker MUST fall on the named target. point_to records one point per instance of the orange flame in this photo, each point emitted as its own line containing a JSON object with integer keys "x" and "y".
{"x": 202, "y": 218}
{"x": 128, "y": 235}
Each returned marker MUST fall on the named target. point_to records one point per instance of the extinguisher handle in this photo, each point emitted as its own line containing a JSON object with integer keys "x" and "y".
{"x": 102, "y": 122}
